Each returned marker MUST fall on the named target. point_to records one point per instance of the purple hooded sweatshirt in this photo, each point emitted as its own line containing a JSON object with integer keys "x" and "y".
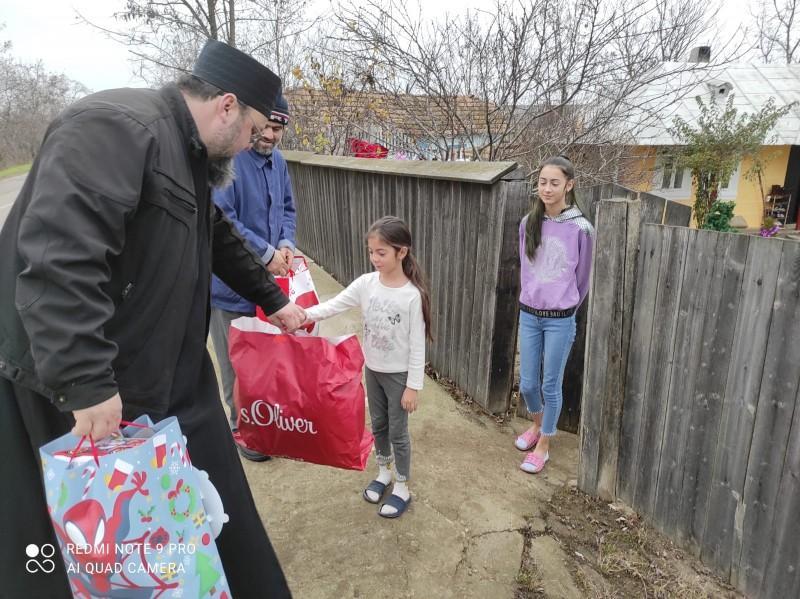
{"x": 558, "y": 277}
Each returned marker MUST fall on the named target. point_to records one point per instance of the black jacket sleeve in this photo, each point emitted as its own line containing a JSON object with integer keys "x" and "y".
{"x": 240, "y": 268}
{"x": 88, "y": 180}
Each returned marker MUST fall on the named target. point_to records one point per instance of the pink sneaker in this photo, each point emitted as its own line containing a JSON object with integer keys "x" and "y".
{"x": 527, "y": 440}
{"x": 533, "y": 464}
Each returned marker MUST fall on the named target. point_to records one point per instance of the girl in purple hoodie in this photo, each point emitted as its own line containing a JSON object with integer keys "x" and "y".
{"x": 555, "y": 250}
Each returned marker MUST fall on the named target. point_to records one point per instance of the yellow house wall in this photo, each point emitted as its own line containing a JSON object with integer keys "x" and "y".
{"x": 639, "y": 172}
{"x": 748, "y": 193}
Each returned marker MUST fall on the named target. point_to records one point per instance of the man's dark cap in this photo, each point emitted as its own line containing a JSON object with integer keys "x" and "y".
{"x": 280, "y": 112}
{"x": 237, "y": 73}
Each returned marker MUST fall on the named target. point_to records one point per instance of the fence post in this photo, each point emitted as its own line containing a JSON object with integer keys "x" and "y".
{"x": 504, "y": 344}
{"x": 607, "y": 338}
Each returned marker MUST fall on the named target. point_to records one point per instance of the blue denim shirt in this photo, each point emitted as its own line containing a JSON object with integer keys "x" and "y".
{"x": 260, "y": 204}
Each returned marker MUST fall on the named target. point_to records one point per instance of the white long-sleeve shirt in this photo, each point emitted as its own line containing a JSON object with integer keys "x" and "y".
{"x": 394, "y": 328}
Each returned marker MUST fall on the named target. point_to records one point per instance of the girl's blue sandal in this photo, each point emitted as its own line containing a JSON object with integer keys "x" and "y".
{"x": 375, "y": 486}
{"x": 398, "y": 504}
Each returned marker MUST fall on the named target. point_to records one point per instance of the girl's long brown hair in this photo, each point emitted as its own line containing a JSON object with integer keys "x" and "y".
{"x": 395, "y": 232}
{"x": 533, "y": 226}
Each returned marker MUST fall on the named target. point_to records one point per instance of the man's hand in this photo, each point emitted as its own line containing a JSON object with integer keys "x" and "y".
{"x": 278, "y": 266}
{"x": 289, "y": 318}
{"x": 409, "y": 400}
{"x": 99, "y": 421}
{"x": 288, "y": 255}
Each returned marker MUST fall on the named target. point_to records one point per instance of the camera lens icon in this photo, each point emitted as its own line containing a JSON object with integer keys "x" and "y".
{"x": 45, "y": 564}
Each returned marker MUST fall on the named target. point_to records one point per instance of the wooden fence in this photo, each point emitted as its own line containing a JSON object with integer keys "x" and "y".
{"x": 463, "y": 218}
{"x": 691, "y": 384}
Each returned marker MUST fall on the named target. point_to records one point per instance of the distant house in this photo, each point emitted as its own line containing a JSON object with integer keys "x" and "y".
{"x": 751, "y": 85}
{"x": 415, "y": 126}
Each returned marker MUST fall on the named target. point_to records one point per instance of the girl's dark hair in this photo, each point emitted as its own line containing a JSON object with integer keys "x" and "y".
{"x": 533, "y": 226}
{"x": 394, "y": 231}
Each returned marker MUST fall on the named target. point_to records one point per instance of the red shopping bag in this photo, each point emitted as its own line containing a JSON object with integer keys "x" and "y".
{"x": 299, "y": 288}
{"x": 299, "y": 396}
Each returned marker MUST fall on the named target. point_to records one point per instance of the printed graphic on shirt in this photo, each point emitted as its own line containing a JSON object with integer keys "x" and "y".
{"x": 551, "y": 260}
{"x": 379, "y": 322}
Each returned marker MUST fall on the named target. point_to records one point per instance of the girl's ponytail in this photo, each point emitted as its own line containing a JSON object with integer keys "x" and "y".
{"x": 413, "y": 271}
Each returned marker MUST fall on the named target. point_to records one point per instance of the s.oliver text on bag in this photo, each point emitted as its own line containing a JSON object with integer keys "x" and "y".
{"x": 309, "y": 405}
{"x": 262, "y": 413}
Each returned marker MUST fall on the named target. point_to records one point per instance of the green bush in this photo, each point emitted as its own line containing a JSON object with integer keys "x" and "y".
{"x": 719, "y": 217}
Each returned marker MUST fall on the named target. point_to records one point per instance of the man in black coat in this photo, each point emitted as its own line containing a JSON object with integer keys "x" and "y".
{"x": 105, "y": 274}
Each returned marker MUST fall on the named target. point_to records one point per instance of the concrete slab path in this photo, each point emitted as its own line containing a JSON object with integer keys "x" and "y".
{"x": 463, "y": 533}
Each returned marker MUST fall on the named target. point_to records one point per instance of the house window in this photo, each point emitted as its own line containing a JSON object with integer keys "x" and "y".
{"x": 671, "y": 180}
{"x": 672, "y": 177}
{"x": 676, "y": 183}
{"x": 728, "y": 188}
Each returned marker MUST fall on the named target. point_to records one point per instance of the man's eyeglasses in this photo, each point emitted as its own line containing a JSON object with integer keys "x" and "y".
{"x": 256, "y": 134}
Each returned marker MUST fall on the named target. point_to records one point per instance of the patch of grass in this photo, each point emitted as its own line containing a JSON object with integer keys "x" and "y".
{"x": 529, "y": 579}
{"x": 620, "y": 556}
{"x": 15, "y": 170}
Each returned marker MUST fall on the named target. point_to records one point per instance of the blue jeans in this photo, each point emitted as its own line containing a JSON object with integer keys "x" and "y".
{"x": 545, "y": 344}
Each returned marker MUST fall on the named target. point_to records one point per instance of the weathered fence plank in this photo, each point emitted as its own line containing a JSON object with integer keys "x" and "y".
{"x": 779, "y": 384}
{"x": 722, "y": 535}
{"x": 650, "y": 248}
{"x": 472, "y": 259}
{"x": 602, "y": 382}
{"x": 652, "y": 209}
{"x": 670, "y": 277}
{"x": 477, "y": 357}
{"x": 457, "y": 249}
{"x": 722, "y": 307}
{"x": 782, "y": 576}
{"x": 677, "y": 214}
{"x": 570, "y": 418}
{"x": 439, "y": 355}
{"x": 504, "y": 342}
{"x": 685, "y": 365}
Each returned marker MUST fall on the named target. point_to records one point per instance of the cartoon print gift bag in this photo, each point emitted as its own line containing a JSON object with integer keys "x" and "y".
{"x": 132, "y": 515}
{"x": 299, "y": 396}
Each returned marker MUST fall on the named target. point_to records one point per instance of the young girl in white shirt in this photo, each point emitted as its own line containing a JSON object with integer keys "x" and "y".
{"x": 396, "y": 307}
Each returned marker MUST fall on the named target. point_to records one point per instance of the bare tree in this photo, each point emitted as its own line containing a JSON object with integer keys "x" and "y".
{"x": 778, "y": 30}
{"x": 680, "y": 24}
{"x": 521, "y": 81}
{"x": 330, "y": 103}
{"x": 30, "y": 96}
{"x": 164, "y": 36}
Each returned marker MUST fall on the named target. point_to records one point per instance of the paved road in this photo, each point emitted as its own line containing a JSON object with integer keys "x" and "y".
{"x": 9, "y": 188}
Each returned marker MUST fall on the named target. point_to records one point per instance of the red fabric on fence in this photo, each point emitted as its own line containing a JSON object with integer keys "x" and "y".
{"x": 361, "y": 148}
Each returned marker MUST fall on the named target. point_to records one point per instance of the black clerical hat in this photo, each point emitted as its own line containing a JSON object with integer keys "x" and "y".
{"x": 235, "y": 72}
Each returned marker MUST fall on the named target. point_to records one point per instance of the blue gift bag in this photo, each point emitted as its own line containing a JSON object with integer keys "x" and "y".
{"x": 133, "y": 517}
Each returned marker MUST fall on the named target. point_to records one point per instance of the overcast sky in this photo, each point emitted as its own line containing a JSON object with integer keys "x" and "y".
{"x": 48, "y": 30}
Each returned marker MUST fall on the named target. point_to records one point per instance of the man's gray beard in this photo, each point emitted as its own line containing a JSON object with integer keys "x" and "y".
{"x": 220, "y": 172}
{"x": 266, "y": 152}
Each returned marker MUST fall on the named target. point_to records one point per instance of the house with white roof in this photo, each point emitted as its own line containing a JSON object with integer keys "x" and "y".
{"x": 751, "y": 86}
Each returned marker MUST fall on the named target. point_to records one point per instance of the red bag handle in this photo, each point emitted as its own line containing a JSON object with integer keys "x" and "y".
{"x": 305, "y": 263}
{"x": 96, "y": 455}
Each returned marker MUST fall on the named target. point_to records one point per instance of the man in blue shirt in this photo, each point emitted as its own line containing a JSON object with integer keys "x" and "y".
{"x": 260, "y": 204}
